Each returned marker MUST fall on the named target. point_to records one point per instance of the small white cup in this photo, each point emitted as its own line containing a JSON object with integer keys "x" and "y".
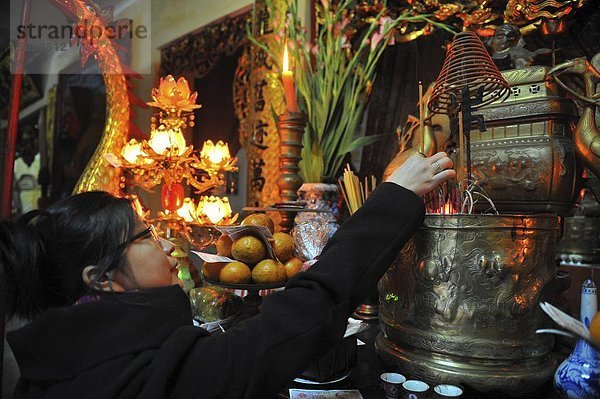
{"x": 392, "y": 384}
{"x": 415, "y": 389}
{"x": 448, "y": 391}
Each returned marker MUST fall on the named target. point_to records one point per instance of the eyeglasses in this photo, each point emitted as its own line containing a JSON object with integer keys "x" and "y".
{"x": 150, "y": 231}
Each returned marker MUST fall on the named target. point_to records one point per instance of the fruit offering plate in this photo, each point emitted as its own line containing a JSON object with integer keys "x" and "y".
{"x": 241, "y": 286}
{"x": 260, "y": 232}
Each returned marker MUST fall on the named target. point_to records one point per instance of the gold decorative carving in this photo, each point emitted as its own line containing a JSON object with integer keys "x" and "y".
{"x": 199, "y": 52}
{"x": 587, "y": 134}
{"x": 99, "y": 174}
{"x": 478, "y": 15}
{"x": 524, "y": 11}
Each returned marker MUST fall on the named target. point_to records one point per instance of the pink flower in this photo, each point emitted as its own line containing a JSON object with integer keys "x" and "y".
{"x": 315, "y": 49}
{"x": 278, "y": 37}
{"x": 384, "y": 22}
{"x": 340, "y": 26}
{"x": 337, "y": 28}
{"x": 375, "y": 39}
{"x": 345, "y": 42}
{"x": 325, "y": 3}
{"x": 345, "y": 22}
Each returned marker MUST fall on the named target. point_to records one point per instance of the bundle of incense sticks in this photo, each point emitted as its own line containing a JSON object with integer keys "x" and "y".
{"x": 446, "y": 200}
{"x": 354, "y": 191}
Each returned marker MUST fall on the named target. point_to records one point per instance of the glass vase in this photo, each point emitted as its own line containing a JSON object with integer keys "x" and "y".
{"x": 321, "y": 199}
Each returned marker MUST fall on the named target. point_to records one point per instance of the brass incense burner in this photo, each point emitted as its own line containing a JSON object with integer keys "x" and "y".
{"x": 460, "y": 303}
{"x": 526, "y": 160}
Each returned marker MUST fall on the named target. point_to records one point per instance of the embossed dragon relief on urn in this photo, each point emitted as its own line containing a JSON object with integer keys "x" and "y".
{"x": 467, "y": 287}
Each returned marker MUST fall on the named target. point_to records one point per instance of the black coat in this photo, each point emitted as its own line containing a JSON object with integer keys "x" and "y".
{"x": 142, "y": 344}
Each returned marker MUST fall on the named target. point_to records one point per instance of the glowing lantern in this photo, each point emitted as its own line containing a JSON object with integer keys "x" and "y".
{"x": 187, "y": 210}
{"x": 162, "y": 139}
{"x": 132, "y": 151}
{"x": 217, "y": 155}
{"x": 214, "y": 208}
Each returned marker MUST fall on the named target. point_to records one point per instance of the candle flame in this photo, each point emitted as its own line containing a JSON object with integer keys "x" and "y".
{"x": 286, "y": 60}
{"x": 448, "y": 209}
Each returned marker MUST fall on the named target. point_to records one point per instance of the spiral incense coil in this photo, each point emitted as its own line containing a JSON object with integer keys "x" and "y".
{"x": 467, "y": 64}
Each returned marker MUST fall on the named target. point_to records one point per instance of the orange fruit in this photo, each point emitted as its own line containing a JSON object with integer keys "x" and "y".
{"x": 235, "y": 273}
{"x": 292, "y": 267}
{"x": 248, "y": 249}
{"x": 224, "y": 245}
{"x": 281, "y": 274}
{"x": 283, "y": 245}
{"x": 267, "y": 271}
{"x": 211, "y": 270}
{"x": 259, "y": 219}
{"x": 595, "y": 327}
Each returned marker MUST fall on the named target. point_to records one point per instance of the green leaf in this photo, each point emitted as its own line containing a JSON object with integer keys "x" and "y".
{"x": 363, "y": 142}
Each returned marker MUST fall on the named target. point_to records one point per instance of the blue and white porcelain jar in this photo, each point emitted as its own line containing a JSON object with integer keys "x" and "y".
{"x": 578, "y": 377}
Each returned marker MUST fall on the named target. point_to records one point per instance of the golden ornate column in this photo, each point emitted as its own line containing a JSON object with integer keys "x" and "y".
{"x": 258, "y": 95}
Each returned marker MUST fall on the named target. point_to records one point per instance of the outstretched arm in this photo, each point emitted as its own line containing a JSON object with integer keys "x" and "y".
{"x": 259, "y": 357}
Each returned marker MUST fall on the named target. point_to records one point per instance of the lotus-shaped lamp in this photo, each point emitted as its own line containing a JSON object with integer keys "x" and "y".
{"x": 174, "y": 95}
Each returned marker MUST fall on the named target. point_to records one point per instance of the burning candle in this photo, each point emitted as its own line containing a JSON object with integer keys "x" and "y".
{"x": 287, "y": 77}
{"x": 421, "y": 118}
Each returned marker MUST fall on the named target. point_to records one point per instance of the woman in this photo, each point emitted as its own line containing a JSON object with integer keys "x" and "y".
{"x": 110, "y": 320}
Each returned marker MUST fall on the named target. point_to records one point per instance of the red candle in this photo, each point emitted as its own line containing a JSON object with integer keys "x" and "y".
{"x": 287, "y": 77}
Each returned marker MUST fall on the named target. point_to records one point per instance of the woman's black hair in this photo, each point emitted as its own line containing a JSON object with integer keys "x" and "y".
{"x": 42, "y": 256}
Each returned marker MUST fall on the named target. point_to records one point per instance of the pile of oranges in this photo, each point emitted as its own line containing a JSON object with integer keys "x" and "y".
{"x": 252, "y": 261}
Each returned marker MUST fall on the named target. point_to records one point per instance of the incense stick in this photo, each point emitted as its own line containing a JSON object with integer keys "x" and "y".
{"x": 354, "y": 191}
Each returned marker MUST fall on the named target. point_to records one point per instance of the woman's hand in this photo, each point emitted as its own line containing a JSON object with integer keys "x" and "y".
{"x": 421, "y": 175}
